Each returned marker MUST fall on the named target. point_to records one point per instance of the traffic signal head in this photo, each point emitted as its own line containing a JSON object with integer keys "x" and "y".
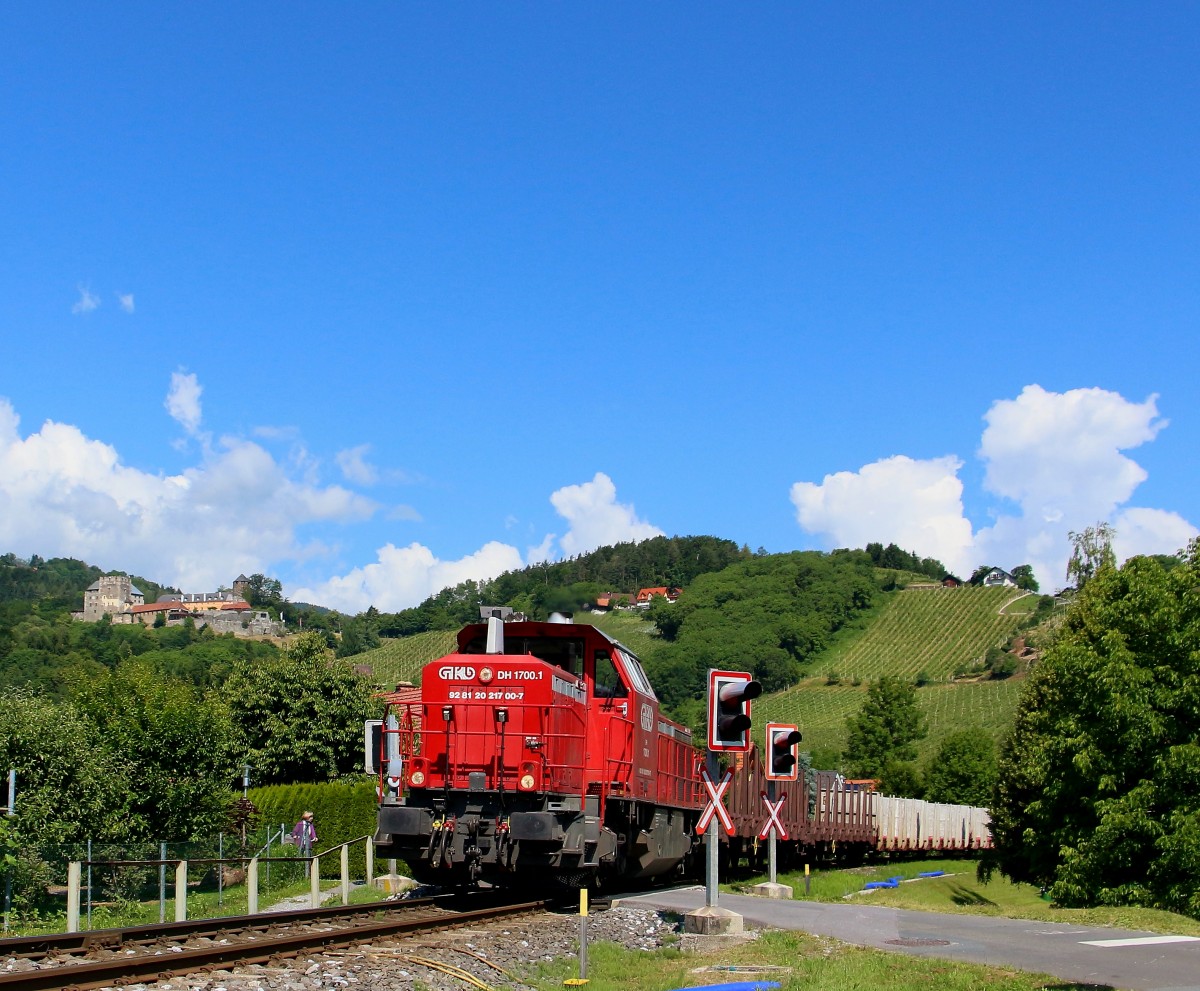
{"x": 729, "y": 695}
{"x": 781, "y": 752}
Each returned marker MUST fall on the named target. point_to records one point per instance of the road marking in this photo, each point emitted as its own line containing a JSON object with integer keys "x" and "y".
{"x": 1140, "y": 941}
{"x": 1058, "y": 932}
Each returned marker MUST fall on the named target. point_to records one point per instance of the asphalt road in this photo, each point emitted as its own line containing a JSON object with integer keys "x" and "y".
{"x": 1137, "y": 961}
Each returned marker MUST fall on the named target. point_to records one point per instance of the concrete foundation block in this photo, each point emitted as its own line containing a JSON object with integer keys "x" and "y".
{"x": 769, "y": 889}
{"x": 712, "y": 921}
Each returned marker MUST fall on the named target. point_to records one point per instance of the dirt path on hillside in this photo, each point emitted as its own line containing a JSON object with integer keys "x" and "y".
{"x": 1001, "y": 611}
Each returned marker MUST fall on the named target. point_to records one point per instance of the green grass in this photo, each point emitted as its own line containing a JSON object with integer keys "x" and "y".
{"x": 935, "y": 631}
{"x": 820, "y": 710}
{"x": 401, "y": 659}
{"x": 961, "y": 893}
{"x": 804, "y": 962}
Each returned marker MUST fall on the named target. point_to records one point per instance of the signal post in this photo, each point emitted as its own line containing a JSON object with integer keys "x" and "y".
{"x": 780, "y": 764}
{"x": 729, "y": 697}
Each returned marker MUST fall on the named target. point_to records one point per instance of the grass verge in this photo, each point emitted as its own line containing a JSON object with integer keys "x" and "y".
{"x": 960, "y": 892}
{"x": 808, "y": 962}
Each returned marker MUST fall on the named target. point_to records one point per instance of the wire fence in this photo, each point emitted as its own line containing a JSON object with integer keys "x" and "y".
{"x": 135, "y": 882}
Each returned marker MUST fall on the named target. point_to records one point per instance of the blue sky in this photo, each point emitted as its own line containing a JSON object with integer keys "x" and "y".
{"x": 380, "y": 298}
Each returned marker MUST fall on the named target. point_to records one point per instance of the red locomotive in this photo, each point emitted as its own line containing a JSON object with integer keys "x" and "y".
{"x": 537, "y": 752}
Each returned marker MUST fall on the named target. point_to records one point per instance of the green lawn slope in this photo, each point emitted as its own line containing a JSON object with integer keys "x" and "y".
{"x": 401, "y": 659}
{"x": 930, "y": 631}
{"x": 934, "y": 631}
{"x": 820, "y": 710}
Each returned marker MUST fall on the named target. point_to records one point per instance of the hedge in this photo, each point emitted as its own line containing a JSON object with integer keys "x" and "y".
{"x": 342, "y": 811}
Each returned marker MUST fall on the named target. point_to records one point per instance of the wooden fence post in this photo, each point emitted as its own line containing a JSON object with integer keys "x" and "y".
{"x": 252, "y": 887}
{"x": 345, "y": 874}
{"x": 73, "y": 876}
{"x": 181, "y": 891}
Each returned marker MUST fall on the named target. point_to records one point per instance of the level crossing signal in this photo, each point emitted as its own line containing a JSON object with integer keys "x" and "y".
{"x": 782, "y": 740}
{"x": 729, "y": 697}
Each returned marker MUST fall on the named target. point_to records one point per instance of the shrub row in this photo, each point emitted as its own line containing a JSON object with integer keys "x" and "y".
{"x": 342, "y": 811}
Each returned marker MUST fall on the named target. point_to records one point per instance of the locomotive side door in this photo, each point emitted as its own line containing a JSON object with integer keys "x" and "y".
{"x": 643, "y": 711}
{"x": 614, "y": 740}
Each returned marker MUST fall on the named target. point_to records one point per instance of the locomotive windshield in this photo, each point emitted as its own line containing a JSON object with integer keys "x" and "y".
{"x": 562, "y": 652}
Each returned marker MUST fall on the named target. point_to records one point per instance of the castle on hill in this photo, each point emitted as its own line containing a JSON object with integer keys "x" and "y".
{"x": 224, "y": 611}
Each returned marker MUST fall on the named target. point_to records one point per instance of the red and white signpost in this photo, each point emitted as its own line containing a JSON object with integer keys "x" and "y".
{"x": 774, "y": 826}
{"x": 716, "y": 803}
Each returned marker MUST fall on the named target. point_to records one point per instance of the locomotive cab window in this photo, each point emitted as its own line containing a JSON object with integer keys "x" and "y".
{"x": 608, "y": 683}
{"x": 633, "y": 669}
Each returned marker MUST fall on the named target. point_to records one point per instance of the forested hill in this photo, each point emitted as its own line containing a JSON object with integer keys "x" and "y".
{"x": 565, "y": 586}
{"x": 769, "y": 615}
{"x": 57, "y": 584}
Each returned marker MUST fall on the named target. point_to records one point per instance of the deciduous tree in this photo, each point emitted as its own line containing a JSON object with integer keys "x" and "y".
{"x": 1099, "y": 785}
{"x": 1091, "y": 550}
{"x": 1023, "y": 576}
{"x": 963, "y": 771}
{"x": 301, "y": 713}
{"x": 178, "y": 748}
{"x": 886, "y": 728}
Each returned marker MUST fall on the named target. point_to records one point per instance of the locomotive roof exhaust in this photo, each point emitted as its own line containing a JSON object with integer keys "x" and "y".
{"x": 495, "y": 635}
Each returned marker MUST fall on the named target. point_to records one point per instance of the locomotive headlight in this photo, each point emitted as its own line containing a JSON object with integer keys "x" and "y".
{"x": 527, "y": 782}
{"x": 416, "y": 773}
{"x": 528, "y": 778}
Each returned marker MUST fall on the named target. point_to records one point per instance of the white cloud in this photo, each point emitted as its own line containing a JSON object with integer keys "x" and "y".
{"x": 403, "y": 577}
{"x": 596, "y": 518}
{"x": 63, "y": 493}
{"x": 183, "y": 401}
{"x": 125, "y": 301}
{"x": 1150, "y": 531}
{"x": 87, "y": 301}
{"x": 914, "y": 504}
{"x": 1057, "y": 456}
{"x": 355, "y": 467}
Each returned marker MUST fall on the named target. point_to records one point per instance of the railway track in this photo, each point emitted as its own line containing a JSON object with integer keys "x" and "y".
{"x": 108, "y": 957}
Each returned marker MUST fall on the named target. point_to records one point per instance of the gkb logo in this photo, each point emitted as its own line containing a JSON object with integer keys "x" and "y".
{"x": 456, "y": 672}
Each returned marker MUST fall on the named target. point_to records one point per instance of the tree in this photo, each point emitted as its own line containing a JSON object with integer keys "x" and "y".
{"x": 300, "y": 714}
{"x": 980, "y": 573}
{"x": 886, "y": 729}
{"x": 263, "y": 592}
{"x": 1099, "y": 783}
{"x": 70, "y": 785}
{"x": 1023, "y": 576}
{"x": 963, "y": 771}
{"x": 1091, "y": 551}
{"x": 178, "y": 748}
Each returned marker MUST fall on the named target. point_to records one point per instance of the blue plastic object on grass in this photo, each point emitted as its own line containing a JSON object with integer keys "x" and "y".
{"x": 735, "y": 986}
{"x": 932, "y": 874}
{"x": 892, "y": 883}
